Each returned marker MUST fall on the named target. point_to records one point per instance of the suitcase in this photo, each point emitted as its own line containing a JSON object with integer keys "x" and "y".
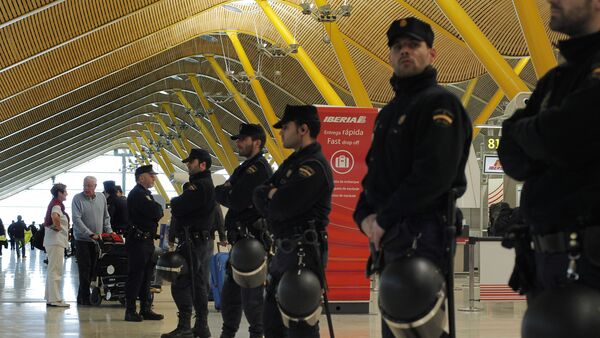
{"x": 217, "y": 266}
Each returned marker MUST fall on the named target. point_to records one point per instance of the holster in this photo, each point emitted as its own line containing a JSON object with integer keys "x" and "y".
{"x": 591, "y": 245}
{"x": 138, "y": 234}
{"x": 522, "y": 278}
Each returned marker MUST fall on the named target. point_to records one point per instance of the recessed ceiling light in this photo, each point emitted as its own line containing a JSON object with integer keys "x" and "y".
{"x": 208, "y": 38}
{"x": 233, "y": 9}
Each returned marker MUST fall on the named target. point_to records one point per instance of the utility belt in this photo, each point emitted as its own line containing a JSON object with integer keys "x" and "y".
{"x": 256, "y": 229}
{"x": 136, "y": 233}
{"x": 575, "y": 244}
{"x": 560, "y": 242}
{"x": 303, "y": 237}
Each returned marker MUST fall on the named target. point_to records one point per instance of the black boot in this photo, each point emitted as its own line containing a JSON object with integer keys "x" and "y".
{"x": 201, "y": 329}
{"x": 183, "y": 329}
{"x": 130, "y": 314}
{"x": 147, "y": 313}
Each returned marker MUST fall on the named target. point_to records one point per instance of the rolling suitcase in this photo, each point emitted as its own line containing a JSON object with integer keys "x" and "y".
{"x": 217, "y": 264}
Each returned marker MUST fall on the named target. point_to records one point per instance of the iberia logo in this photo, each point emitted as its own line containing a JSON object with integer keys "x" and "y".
{"x": 496, "y": 166}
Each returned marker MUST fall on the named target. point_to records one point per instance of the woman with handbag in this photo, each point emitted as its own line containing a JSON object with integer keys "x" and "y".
{"x": 56, "y": 240}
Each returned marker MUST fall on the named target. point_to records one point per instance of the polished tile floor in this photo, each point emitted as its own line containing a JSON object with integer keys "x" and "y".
{"x": 23, "y": 311}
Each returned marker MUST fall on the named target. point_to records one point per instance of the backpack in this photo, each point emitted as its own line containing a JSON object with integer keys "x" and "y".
{"x": 500, "y": 218}
{"x": 38, "y": 239}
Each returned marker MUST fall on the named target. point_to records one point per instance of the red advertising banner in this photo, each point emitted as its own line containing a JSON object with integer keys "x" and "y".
{"x": 345, "y": 138}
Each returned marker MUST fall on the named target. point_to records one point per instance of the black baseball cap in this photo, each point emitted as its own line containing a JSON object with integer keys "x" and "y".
{"x": 306, "y": 114}
{"x": 144, "y": 169}
{"x": 200, "y": 154}
{"x": 411, "y": 27}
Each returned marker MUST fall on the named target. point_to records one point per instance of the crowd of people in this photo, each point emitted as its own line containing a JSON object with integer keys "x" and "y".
{"x": 17, "y": 235}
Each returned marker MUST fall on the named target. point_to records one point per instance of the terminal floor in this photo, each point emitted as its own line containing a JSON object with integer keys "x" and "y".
{"x": 23, "y": 312}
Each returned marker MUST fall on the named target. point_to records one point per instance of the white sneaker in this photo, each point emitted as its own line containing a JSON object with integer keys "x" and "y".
{"x": 59, "y": 304}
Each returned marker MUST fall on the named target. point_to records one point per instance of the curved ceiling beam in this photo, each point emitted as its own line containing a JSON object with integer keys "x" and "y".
{"x": 89, "y": 134}
{"x": 61, "y": 168}
{"x": 75, "y": 121}
{"x": 49, "y": 119}
{"x": 68, "y": 156}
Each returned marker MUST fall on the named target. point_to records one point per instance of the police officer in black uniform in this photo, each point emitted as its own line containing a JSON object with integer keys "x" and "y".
{"x": 295, "y": 199}
{"x": 550, "y": 145}
{"x": 194, "y": 211}
{"x": 240, "y": 222}
{"x": 420, "y": 147}
{"x": 117, "y": 208}
{"x": 144, "y": 213}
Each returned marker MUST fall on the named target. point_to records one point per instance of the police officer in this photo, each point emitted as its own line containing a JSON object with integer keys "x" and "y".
{"x": 117, "y": 207}
{"x": 295, "y": 199}
{"x": 549, "y": 143}
{"x": 194, "y": 212}
{"x": 420, "y": 147}
{"x": 144, "y": 213}
{"x": 236, "y": 194}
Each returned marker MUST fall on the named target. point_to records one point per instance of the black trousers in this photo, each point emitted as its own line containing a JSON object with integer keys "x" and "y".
{"x": 181, "y": 289}
{"x": 87, "y": 257}
{"x": 20, "y": 243}
{"x": 397, "y": 241}
{"x": 273, "y": 324}
{"x": 140, "y": 271}
{"x": 234, "y": 299}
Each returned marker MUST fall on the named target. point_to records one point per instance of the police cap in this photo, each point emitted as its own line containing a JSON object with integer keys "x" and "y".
{"x": 200, "y": 154}
{"x": 248, "y": 129}
{"x": 411, "y": 27}
{"x": 301, "y": 115}
{"x": 110, "y": 186}
{"x": 144, "y": 169}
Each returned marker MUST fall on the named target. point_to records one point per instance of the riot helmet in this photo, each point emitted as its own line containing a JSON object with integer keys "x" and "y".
{"x": 299, "y": 297}
{"x": 248, "y": 260}
{"x": 412, "y": 292}
{"x": 570, "y": 311}
{"x": 170, "y": 265}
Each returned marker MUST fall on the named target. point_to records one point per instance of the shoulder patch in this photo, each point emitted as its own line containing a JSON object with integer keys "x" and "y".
{"x": 596, "y": 72}
{"x": 306, "y": 171}
{"x": 443, "y": 117}
{"x": 402, "y": 119}
{"x": 251, "y": 169}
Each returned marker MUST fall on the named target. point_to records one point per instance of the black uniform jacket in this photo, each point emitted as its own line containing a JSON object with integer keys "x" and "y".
{"x": 194, "y": 208}
{"x": 117, "y": 209}
{"x": 304, "y": 183}
{"x": 553, "y": 145}
{"x": 238, "y": 196}
{"x": 421, "y": 143}
{"x": 144, "y": 211}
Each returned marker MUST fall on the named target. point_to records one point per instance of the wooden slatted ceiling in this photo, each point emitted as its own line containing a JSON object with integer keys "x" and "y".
{"x": 373, "y": 34}
{"x": 137, "y": 50}
{"x": 46, "y": 161}
{"x": 117, "y": 109}
{"x": 12, "y": 9}
{"x": 62, "y": 162}
{"x": 74, "y": 95}
{"x": 42, "y": 31}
